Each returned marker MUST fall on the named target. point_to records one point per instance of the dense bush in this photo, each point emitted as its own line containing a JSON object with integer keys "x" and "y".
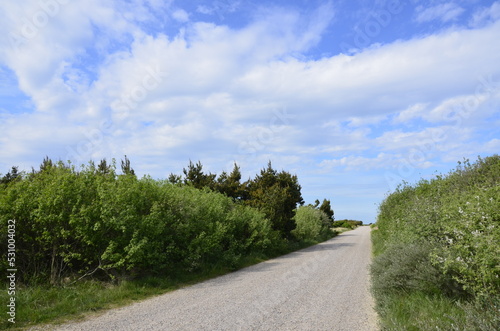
{"x": 312, "y": 224}
{"x": 92, "y": 220}
{"x": 348, "y": 224}
{"x": 442, "y": 236}
{"x": 407, "y": 267}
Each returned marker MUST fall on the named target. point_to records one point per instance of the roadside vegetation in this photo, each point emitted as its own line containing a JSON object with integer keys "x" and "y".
{"x": 437, "y": 252}
{"x": 90, "y": 238}
{"x": 347, "y": 224}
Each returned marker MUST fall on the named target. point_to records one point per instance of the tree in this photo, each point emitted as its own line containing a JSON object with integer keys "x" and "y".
{"x": 327, "y": 209}
{"x": 103, "y": 168}
{"x": 195, "y": 176}
{"x": 174, "y": 179}
{"x": 46, "y": 164}
{"x": 126, "y": 167}
{"x": 11, "y": 176}
{"x": 277, "y": 195}
{"x": 230, "y": 185}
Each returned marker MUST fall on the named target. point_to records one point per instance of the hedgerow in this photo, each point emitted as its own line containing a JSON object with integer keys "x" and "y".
{"x": 74, "y": 223}
{"x": 442, "y": 236}
{"x": 348, "y": 224}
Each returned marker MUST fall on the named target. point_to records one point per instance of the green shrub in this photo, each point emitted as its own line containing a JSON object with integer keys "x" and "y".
{"x": 408, "y": 267}
{"x": 471, "y": 233}
{"x": 440, "y": 237}
{"x": 71, "y": 222}
{"x": 312, "y": 224}
{"x": 348, "y": 224}
{"x": 461, "y": 214}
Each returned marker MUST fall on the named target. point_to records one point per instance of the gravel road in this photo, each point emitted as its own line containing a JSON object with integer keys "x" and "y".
{"x": 324, "y": 287}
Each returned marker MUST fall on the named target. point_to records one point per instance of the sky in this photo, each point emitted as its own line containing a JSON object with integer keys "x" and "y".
{"x": 353, "y": 97}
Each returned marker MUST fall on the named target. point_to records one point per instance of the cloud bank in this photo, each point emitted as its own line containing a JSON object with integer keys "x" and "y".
{"x": 164, "y": 84}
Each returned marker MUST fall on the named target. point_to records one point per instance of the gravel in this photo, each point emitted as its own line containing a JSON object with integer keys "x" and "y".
{"x": 323, "y": 287}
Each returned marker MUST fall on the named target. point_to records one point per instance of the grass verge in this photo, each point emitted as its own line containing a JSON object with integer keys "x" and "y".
{"x": 421, "y": 311}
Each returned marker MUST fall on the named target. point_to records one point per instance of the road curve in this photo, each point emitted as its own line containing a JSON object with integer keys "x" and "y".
{"x": 323, "y": 287}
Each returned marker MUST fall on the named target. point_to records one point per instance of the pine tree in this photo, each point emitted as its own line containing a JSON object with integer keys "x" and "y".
{"x": 174, "y": 179}
{"x": 194, "y": 176}
{"x": 103, "y": 168}
{"x": 11, "y": 176}
{"x": 277, "y": 195}
{"x": 230, "y": 185}
{"x": 46, "y": 164}
{"x": 126, "y": 167}
{"x": 327, "y": 209}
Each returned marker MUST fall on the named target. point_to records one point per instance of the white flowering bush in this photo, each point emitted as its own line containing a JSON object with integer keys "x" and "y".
{"x": 471, "y": 236}
{"x": 459, "y": 215}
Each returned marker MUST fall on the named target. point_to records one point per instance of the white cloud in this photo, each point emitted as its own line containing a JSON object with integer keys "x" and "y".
{"x": 180, "y": 15}
{"x": 486, "y": 15}
{"x": 429, "y": 139}
{"x": 414, "y": 111}
{"x": 390, "y": 78}
{"x": 48, "y": 80}
{"x": 367, "y": 120}
{"x": 381, "y": 161}
{"x": 455, "y": 109}
{"x": 444, "y": 12}
{"x": 220, "y": 8}
{"x": 214, "y": 92}
{"x": 204, "y": 10}
{"x": 223, "y": 77}
{"x": 493, "y": 146}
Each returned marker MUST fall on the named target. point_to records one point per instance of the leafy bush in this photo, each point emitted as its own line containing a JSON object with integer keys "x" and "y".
{"x": 312, "y": 224}
{"x": 457, "y": 217}
{"x": 80, "y": 222}
{"x": 407, "y": 267}
{"x": 461, "y": 214}
{"x": 348, "y": 224}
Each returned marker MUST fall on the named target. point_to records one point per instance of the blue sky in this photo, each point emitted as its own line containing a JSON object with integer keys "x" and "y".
{"x": 352, "y": 96}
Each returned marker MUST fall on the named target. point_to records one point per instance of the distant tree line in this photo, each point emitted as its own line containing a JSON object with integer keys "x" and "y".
{"x": 276, "y": 194}
{"x": 348, "y": 224}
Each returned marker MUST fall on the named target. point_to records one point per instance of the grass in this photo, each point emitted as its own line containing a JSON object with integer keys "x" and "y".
{"x": 340, "y": 230}
{"x": 422, "y": 312}
{"x": 46, "y": 304}
{"x": 403, "y": 306}
{"x": 419, "y": 311}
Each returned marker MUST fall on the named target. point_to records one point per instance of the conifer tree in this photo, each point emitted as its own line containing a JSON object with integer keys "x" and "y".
{"x": 194, "y": 176}
{"x": 277, "y": 195}
{"x": 327, "y": 209}
{"x": 12, "y": 175}
{"x": 126, "y": 167}
{"x": 229, "y": 184}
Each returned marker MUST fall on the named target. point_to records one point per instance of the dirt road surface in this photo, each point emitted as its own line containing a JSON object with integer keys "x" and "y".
{"x": 323, "y": 287}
